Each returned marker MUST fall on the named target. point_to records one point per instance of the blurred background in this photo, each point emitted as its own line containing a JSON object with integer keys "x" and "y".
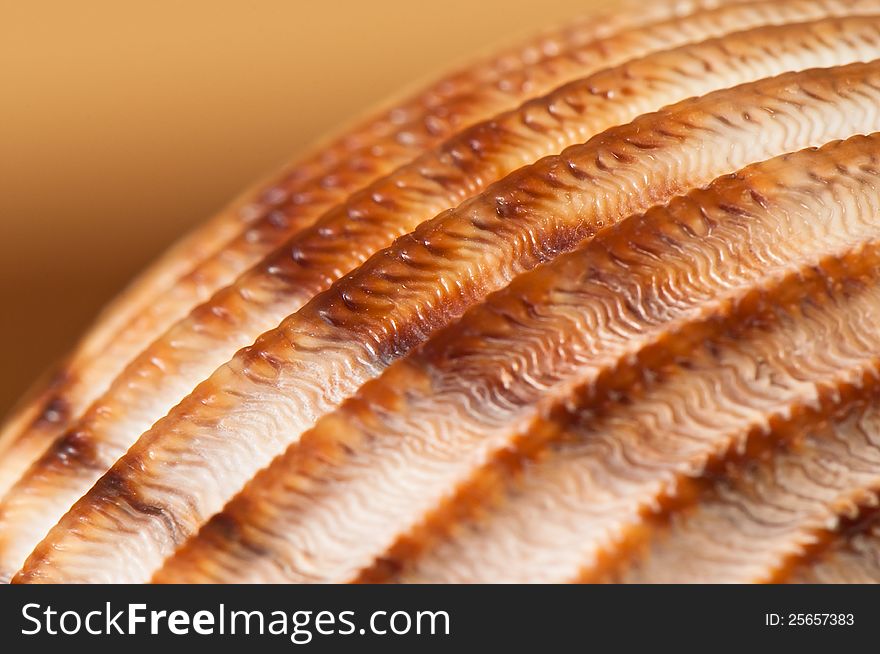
{"x": 122, "y": 124}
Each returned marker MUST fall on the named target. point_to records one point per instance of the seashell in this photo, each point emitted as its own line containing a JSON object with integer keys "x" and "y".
{"x": 599, "y": 309}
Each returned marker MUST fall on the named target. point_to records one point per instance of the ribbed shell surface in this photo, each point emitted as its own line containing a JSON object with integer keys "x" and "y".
{"x": 603, "y": 308}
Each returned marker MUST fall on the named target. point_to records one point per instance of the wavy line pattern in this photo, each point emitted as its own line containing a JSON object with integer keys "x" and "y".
{"x": 571, "y": 314}
{"x": 760, "y": 517}
{"x": 602, "y": 481}
{"x": 193, "y": 460}
{"x": 849, "y": 552}
{"x": 195, "y": 347}
{"x": 463, "y": 395}
{"x": 239, "y": 238}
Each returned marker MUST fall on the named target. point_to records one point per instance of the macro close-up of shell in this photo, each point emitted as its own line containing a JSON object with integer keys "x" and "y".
{"x": 603, "y": 307}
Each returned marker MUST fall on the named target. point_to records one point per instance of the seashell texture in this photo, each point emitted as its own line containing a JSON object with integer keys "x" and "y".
{"x": 573, "y": 314}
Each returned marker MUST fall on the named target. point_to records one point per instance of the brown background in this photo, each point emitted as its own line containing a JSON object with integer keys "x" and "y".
{"x": 124, "y": 123}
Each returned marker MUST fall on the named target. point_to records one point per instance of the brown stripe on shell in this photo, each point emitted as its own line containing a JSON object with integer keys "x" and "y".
{"x": 279, "y": 285}
{"x": 848, "y": 554}
{"x": 598, "y": 485}
{"x": 469, "y": 378}
{"x": 754, "y": 518}
{"x": 214, "y": 255}
{"x": 253, "y": 407}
